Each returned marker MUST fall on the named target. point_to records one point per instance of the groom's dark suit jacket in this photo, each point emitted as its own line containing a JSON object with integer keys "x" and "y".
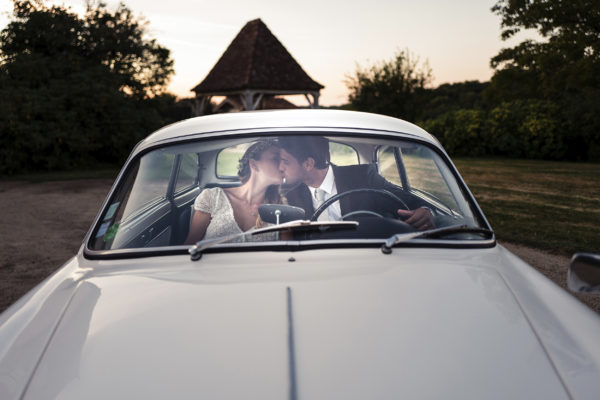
{"x": 354, "y": 177}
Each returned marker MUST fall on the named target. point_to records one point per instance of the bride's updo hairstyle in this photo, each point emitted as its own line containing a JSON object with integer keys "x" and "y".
{"x": 255, "y": 152}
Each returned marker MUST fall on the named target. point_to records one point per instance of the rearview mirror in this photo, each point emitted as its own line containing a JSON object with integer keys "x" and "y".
{"x": 584, "y": 273}
{"x": 280, "y": 213}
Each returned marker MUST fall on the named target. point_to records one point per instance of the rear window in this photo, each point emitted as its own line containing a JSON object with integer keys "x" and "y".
{"x": 342, "y": 154}
{"x": 228, "y": 159}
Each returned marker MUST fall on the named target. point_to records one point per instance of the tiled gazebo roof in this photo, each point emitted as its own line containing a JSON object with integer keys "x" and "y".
{"x": 256, "y": 60}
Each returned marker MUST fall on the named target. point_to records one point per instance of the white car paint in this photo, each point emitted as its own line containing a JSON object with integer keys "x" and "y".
{"x": 282, "y": 120}
{"x": 319, "y": 323}
{"x": 410, "y": 324}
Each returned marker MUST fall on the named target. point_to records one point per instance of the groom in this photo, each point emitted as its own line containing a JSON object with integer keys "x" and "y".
{"x": 305, "y": 163}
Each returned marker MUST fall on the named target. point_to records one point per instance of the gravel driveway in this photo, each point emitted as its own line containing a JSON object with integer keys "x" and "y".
{"x": 43, "y": 225}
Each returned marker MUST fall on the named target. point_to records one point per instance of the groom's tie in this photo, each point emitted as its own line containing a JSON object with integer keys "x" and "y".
{"x": 320, "y": 198}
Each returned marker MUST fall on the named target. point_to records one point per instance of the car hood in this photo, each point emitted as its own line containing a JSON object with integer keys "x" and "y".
{"x": 296, "y": 324}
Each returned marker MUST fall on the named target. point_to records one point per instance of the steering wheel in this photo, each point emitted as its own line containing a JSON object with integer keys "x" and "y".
{"x": 380, "y": 192}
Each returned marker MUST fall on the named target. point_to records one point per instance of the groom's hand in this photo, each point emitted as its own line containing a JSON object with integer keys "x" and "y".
{"x": 420, "y": 218}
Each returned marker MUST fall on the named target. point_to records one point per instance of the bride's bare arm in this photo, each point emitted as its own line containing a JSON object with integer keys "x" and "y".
{"x": 200, "y": 222}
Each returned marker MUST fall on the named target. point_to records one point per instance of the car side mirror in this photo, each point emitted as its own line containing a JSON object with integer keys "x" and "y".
{"x": 584, "y": 273}
{"x": 280, "y": 213}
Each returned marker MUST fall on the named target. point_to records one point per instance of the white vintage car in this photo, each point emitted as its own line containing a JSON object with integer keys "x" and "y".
{"x": 365, "y": 306}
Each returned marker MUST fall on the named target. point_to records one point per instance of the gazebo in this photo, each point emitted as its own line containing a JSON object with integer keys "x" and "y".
{"x": 252, "y": 71}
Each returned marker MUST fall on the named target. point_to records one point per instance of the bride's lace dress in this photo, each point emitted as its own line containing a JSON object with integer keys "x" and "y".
{"x": 215, "y": 202}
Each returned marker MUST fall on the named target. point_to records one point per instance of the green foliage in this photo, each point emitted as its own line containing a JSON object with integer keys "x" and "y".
{"x": 568, "y": 57}
{"x": 390, "y": 87}
{"x": 573, "y": 21}
{"x": 451, "y": 97}
{"x": 525, "y": 129}
{"x": 77, "y": 91}
{"x": 557, "y": 77}
{"x": 519, "y": 129}
{"x": 116, "y": 40}
{"x": 460, "y": 132}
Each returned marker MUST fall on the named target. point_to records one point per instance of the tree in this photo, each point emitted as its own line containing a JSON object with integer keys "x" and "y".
{"x": 390, "y": 87}
{"x": 568, "y": 58}
{"x": 562, "y": 68}
{"x": 75, "y": 90}
{"x": 576, "y": 22}
{"x": 115, "y": 40}
{"x": 451, "y": 97}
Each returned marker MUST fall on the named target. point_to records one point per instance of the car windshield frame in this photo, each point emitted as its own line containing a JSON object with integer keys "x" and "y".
{"x": 284, "y": 245}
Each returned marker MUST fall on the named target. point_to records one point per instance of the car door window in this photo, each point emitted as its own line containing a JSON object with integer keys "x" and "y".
{"x": 388, "y": 167}
{"x": 151, "y": 181}
{"x": 188, "y": 171}
{"x": 424, "y": 175}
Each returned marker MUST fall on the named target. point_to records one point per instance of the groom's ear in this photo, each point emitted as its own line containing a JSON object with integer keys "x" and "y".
{"x": 308, "y": 164}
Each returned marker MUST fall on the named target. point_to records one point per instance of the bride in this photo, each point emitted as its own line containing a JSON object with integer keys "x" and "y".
{"x": 221, "y": 212}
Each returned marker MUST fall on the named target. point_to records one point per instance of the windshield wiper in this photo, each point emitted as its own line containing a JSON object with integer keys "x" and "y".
{"x": 398, "y": 238}
{"x": 197, "y": 249}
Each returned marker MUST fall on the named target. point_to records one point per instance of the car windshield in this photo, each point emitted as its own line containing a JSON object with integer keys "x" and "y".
{"x": 211, "y": 188}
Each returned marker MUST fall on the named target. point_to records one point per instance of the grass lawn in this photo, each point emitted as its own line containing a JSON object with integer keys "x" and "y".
{"x": 548, "y": 205}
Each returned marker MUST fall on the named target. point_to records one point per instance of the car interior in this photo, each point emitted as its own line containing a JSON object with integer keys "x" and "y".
{"x": 152, "y": 207}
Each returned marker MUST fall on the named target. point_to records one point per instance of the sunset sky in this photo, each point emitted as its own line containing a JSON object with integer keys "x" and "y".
{"x": 329, "y": 38}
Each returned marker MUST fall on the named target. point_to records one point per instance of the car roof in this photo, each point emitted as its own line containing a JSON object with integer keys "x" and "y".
{"x": 290, "y": 120}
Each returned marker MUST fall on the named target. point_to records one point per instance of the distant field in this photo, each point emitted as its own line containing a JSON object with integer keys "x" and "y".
{"x": 548, "y": 205}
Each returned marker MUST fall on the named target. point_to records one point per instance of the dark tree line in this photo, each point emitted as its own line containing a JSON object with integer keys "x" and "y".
{"x": 543, "y": 100}
{"x": 78, "y": 91}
